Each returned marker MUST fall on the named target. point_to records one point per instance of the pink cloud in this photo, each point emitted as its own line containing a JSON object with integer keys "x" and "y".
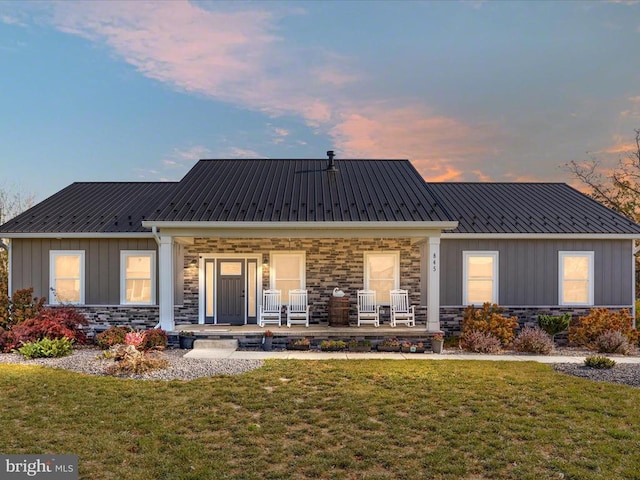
{"x": 232, "y": 56}
{"x": 439, "y": 146}
{"x": 235, "y": 55}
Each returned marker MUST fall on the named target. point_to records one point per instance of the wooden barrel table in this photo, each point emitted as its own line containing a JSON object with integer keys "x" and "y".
{"x": 339, "y": 311}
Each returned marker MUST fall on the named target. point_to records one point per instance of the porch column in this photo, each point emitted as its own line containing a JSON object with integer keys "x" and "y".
{"x": 433, "y": 285}
{"x": 165, "y": 275}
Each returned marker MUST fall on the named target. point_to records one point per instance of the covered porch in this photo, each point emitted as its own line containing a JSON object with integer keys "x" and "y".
{"x": 195, "y": 266}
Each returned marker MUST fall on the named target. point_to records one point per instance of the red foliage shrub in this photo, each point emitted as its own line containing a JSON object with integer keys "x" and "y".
{"x": 154, "y": 339}
{"x": 7, "y": 340}
{"x": 112, "y": 336}
{"x": 53, "y": 323}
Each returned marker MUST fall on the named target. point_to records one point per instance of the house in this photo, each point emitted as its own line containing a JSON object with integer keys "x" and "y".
{"x": 202, "y": 250}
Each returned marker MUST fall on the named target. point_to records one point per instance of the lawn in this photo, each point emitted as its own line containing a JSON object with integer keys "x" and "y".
{"x": 371, "y": 419}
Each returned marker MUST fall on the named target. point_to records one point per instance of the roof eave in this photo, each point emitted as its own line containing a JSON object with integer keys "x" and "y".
{"x": 543, "y": 236}
{"x": 77, "y": 235}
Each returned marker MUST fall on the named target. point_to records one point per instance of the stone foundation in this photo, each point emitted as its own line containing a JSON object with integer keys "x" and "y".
{"x": 136, "y": 317}
{"x": 451, "y": 317}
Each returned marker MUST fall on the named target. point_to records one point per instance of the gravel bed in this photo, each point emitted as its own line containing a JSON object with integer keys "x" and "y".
{"x": 625, "y": 373}
{"x": 85, "y": 360}
{"x": 180, "y": 368}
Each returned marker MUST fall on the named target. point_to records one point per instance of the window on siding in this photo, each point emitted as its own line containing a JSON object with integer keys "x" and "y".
{"x": 66, "y": 277}
{"x": 382, "y": 274}
{"x": 576, "y": 278}
{"x": 287, "y": 272}
{"x": 137, "y": 277}
{"x": 480, "y": 278}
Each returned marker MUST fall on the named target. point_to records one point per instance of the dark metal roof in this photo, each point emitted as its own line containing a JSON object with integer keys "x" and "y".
{"x": 301, "y": 191}
{"x": 94, "y": 207}
{"x": 538, "y": 208}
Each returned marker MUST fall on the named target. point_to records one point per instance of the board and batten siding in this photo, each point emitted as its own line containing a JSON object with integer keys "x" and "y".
{"x": 30, "y": 264}
{"x": 528, "y": 270}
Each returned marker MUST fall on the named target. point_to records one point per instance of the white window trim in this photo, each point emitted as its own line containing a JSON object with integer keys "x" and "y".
{"x": 396, "y": 268}
{"x": 123, "y": 280}
{"x": 591, "y": 257}
{"x": 52, "y": 275}
{"x": 466, "y": 254}
{"x": 303, "y": 267}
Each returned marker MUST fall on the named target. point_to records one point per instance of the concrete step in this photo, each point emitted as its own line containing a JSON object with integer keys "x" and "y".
{"x": 227, "y": 344}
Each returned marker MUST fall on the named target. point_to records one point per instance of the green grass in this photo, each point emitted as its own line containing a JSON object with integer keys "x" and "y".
{"x": 371, "y": 419}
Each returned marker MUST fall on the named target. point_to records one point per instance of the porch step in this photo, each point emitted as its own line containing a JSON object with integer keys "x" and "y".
{"x": 226, "y": 344}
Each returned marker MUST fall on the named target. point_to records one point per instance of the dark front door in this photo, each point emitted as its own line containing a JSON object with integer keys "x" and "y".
{"x": 230, "y": 294}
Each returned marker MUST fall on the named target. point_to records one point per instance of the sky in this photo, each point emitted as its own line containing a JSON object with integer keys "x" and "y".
{"x": 466, "y": 90}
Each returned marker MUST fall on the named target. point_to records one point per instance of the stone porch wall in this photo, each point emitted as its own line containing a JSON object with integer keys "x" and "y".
{"x": 330, "y": 263}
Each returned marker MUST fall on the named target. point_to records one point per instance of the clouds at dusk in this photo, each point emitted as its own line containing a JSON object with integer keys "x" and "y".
{"x": 475, "y": 91}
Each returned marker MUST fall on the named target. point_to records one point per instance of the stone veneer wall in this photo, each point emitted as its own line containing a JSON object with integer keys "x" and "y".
{"x": 329, "y": 263}
{"x": 451, "y": 317}
{"x": 137, "y": 317}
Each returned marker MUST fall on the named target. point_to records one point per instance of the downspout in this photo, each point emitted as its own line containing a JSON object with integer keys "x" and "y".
{"x": 7, "y": 247}
{"x": 154, "y": 230}
{"x": 636, "y": 249}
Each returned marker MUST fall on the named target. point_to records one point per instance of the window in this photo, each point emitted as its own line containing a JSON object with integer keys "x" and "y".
{"x": 479, "y": 277}
{"x": 287, "y": 272}
{"x": 66, "y": 276}
{"x": 137, "y": 277}
{"x": 382, "y": 274}
{"x": 575, "y": 278}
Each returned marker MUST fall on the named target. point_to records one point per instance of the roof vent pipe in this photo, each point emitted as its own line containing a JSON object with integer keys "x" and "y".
{"x": 332, "y": 164}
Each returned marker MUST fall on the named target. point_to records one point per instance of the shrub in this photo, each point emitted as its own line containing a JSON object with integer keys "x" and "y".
{"x": 479, "y": 342}
{"x": 613, "y": 341}
{"x": 533, "y": 340}
{"x": 599, "y": 361}
{"x": 20, "y": 307}
{"x": 131, "y": 361}
{"x": 300, "y": 342}
{"x": 134, "y": 338}
{"x": 587, "y": 329}
{"x": 554, "y": 324}
{"x": 154, "y": 339}
{"x": 47, "y": 348}
{"x": 353, "y": 343}
{"x": 489, "y": 319}
{"x": 389, "y": 342}
{"x": 53, "y": 323}
{"x": 333, "y": 345}
{"x": 452, "y": 341}
{"x": 8, "y": 340}
{"x": 112, "y": 336}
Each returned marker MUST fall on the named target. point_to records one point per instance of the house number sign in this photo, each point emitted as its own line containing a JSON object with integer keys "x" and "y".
{"x": 435, "y": 263}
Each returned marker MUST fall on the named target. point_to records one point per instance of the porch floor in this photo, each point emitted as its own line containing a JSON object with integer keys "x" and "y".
{"x": 314, "y": 330}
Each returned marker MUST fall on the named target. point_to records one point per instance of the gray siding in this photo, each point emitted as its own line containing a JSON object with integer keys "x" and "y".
{"x": 30, "y": 265}
{"x": 528, "y": 270}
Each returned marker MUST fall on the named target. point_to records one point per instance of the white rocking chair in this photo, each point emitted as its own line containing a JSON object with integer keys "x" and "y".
{"x": 401, "y": 312}
{"x": 368, "y": 310}
{"x": 298, "y": 308}
{"x": 271, "y": 308}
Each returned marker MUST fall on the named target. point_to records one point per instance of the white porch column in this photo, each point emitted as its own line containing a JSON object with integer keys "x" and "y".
{"x": 165, "y": 275}
{"x": 433, "y": 285}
